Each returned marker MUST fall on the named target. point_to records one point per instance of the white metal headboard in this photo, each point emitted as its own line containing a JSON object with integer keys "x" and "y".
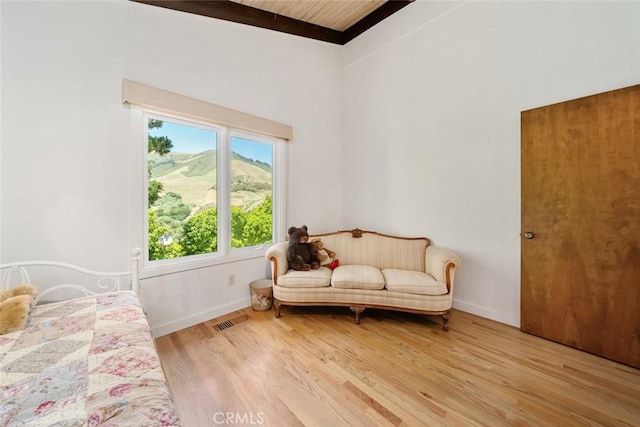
{"x": 107, "y": 282}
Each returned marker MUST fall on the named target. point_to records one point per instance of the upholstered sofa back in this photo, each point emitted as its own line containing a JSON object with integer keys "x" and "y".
{"x": 358, "y": 247}
{"x": 377, "y": 250}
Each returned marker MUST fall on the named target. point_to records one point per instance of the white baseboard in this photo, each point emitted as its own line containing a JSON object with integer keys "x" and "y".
{"x": 512, "y": 319}
{"x": 509, "y": 318}
{"x": 196, "y": 318}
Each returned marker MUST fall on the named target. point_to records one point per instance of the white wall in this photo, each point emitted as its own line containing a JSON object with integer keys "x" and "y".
{"x": 418, "y": 134}
{"x": 432, "y": 100}
{"x": 66, "y": 138}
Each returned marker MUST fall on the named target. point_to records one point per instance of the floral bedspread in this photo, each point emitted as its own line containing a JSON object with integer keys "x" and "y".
{"x": 86, "y": 362}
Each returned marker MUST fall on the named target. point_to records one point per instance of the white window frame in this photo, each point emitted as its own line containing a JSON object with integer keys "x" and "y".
{"x": 225, "y": 254}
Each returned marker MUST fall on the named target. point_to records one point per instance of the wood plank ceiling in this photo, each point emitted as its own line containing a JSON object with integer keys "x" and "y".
{"x": 333, "y": 21}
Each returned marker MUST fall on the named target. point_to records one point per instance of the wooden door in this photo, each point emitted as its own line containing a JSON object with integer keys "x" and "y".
{"x": 580, "y": 266}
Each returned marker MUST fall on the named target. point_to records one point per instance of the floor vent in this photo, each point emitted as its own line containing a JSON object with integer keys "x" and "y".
{"x": 224, "y": 325}
{"x": 227, "y": 321}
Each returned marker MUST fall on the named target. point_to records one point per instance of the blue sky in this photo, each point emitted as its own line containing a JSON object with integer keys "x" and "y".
{"x": 192, "y": 140}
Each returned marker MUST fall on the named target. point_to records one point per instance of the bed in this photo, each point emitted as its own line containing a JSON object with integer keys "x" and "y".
{"x": 86, "y": 361}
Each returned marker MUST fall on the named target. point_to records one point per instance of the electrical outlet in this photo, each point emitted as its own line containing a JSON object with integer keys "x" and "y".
{"x": 232, "y": 280}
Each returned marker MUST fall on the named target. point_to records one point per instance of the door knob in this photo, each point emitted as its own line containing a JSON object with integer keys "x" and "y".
{"x": 528, "y": 235}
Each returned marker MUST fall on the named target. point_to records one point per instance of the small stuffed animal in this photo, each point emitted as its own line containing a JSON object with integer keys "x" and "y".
{"x": 325, "y": 255}
{"x": 301, "y": 254}
{"x": 14, "y": 307}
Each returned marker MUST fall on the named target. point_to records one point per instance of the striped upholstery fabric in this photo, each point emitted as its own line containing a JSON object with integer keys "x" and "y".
{"x": 357, "y": 277}
{"x": 306, "y": 279}
{"x": 279, "y": 252}
{"x": 437, "y": 260}
{"x": 331, "y": 295}
{"x": 412, "y": 282}
{"x": 377, "y": 251}
{"x": 375, "y": 271}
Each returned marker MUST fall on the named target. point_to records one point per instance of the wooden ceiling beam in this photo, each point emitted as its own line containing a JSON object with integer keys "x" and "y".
{"x": 387, "y": 9}
{"x": 236, "y": 12}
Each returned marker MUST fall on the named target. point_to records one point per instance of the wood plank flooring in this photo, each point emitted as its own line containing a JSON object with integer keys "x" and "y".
{"x": 315, "y": 367}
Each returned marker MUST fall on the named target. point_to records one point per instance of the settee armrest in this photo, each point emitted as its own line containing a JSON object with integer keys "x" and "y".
{"x": 277, "y": 256}
{"x": 441, "y": 263}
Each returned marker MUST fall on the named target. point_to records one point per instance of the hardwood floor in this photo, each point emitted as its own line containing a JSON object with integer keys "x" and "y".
{"x": 315, "y": 367}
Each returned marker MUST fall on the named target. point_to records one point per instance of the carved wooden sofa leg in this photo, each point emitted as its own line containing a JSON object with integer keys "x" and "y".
{"x": 276, "y": 306}
{"x": 357, "y": 311}
{"x": 445, "y": 321}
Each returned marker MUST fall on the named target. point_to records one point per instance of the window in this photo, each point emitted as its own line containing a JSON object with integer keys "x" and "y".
{"x": 209, "y": 189}
{"x": 212, "y": 180}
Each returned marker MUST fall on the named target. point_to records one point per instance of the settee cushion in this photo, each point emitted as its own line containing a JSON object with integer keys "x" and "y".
{"x": 357, "y": 277}
{"x": 306, "y": 279}
{"x": 413, "y": 282}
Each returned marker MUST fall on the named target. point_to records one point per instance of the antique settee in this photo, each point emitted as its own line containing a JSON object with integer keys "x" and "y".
{"x": 375, "y": 271}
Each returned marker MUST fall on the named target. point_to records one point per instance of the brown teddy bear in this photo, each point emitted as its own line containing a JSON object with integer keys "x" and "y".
{"x": 14, "y": 307}
{"x": 301, "y": 254}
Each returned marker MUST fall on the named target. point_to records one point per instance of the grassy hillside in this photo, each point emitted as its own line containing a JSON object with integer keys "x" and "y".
{"x": 193, "y": 176}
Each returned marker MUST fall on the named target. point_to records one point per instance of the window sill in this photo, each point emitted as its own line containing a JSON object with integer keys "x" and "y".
{"x": 167, "y": 267}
